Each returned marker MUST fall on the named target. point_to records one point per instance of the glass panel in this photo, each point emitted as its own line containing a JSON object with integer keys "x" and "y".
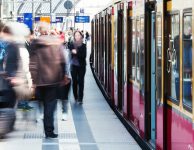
{"x": 142, "y": 57}
{"x": 137, "y": 49}
{"x": 158, "y": 57}
{"x": 174, "y": 55}
{"x": 133, "y": 49}
{"x": 187, "y": 61}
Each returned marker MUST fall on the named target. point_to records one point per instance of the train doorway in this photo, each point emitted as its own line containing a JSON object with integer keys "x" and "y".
{"x": 153, "y": 79}
{"x": 150, "y": 73}
{"x": 120, "y": 59}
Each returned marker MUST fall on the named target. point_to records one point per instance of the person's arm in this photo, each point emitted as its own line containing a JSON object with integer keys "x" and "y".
{"x": 33, "y": 64}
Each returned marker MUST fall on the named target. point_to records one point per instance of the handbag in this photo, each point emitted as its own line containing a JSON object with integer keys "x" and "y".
{"x": 22, "y": 90}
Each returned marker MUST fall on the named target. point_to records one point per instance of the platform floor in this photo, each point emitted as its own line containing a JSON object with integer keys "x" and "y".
{"x": 91, "y": 126}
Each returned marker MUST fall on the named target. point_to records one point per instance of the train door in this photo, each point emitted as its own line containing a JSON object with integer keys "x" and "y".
{"x": 120, "y": 57}
{"x": 102, "y": 49}
{"x": 106, "y": 52}
{"x": 109, "y": 34}
{"x": 97, "y": 46}
{"x": 153, "y": 79}
{"x": 150, "y": 73}
{"x": 159, "y": 103}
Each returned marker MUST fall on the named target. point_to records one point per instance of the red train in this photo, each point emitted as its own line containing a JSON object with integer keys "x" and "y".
{"x": 142, "y": 54}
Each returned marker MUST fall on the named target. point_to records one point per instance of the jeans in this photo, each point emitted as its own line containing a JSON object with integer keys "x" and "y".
{"x": 48, "y": 96}
{"x": 78, "y": 74}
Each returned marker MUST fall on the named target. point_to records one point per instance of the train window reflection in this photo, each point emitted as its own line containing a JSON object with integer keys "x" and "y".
{"x": 142, "y": 56}
{"x": 158, "y": 57}
{"x": 137, "y": 48}
{"x": 187, "y": 61}
{"x": 133, "y": 48}
{"x": 174, "y": 46}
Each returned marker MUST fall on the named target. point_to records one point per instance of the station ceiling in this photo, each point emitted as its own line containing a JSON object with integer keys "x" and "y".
{"x": 43, "y": 7}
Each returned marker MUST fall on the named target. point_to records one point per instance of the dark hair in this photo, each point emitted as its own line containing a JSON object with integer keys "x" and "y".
{"x": 6, "y": 29}
{"x": 79, "y": 33}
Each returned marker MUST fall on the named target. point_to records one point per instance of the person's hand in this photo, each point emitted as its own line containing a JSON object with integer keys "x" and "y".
{"x": 66, "y": 80}
{"x": 74, "y": 51}
{"x": 15, "y": 81}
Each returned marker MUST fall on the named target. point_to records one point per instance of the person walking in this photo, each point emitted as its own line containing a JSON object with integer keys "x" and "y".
{"x": 78, "y": 65}
{"x": 48, "y": 72}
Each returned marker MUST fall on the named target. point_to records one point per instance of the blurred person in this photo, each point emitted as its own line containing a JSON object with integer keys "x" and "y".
{"x": 70, "y": 37}
{"x": 48, "y": 72}
{"x": 16, "y": 63}
{"x": 28, "y": 40}
{"x": 3, "y": 45}
{"x": 87, "y": 36}
{"x": 64, "y": 89}
{"x": 24, "y": 104}
{"x": 78, "y": 65}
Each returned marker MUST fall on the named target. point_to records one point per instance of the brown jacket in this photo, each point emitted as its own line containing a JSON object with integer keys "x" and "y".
{"x": 47, "y": 64}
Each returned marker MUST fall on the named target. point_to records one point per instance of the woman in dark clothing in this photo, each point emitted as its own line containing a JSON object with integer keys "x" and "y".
{"x": 78, "y": 65}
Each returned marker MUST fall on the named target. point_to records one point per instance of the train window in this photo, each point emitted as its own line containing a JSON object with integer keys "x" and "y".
{"x": 187, "y": 61}
{"x": 158, "y": 57}
{"x": 133, "y": 48}
{"x": 137, "y": 49}
{"x": 142, "y": 56}
{"x": 173, "y": 58}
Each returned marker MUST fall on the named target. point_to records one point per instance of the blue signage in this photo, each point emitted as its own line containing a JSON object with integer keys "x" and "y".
{"x": 20, "y": 19}
{"x": 28, "y": 19}
{"x": 37, "y": 19}
{"x": 82, "y": 19}
{"x": 59, "y": 19}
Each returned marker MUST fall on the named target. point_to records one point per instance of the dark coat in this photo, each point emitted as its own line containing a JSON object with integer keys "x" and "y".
{"x": 81, "y": 53}
{"x": 12, "y": 59}
{"x": 47, "y": 64}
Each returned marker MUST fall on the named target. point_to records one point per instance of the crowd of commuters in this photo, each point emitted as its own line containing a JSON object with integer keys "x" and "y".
{"x": 41, "y": 64}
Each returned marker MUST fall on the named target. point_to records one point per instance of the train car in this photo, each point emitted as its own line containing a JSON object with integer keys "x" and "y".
{"x": 178, "y": 76}
{"x": 145, "y": 68}
{"x": 102, "y": 27}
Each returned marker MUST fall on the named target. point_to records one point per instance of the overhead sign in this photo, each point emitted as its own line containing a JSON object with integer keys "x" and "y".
{"x": 59, "y": 19}
{"x": 68, "y": 4}
{"x": 45, "y": 19}
{"x": 28, "y": 19}
{"x": 20, "y": 19}
{"x": 82, "y": 19}
{"x": 37, "y": 19}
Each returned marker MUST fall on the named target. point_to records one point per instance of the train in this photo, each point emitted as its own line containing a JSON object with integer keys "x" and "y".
{"x": 142, "y": 56}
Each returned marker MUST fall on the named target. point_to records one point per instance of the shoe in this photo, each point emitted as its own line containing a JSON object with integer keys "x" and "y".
{"x": 64, "y": 117}
{"x": 80, "y": 102}
{"x": 27, "y": 107}
{"x": 76, "y": 100}
{"x": 51, "y": 135}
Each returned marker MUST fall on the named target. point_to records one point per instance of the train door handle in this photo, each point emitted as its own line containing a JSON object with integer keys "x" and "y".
{"x": 171, "y": 54}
